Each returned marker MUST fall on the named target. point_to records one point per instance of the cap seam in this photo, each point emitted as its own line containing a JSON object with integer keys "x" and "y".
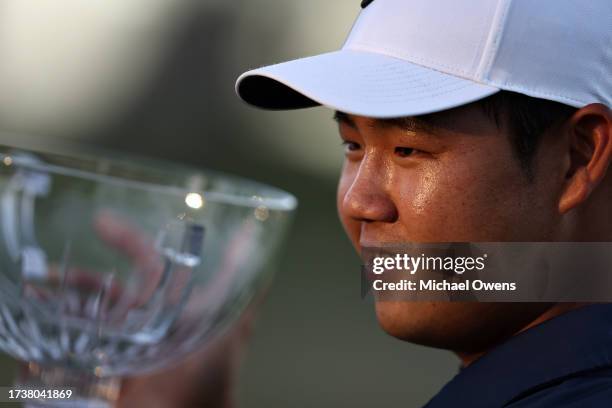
{"x": 424, "y": 62}
{"x": 494, "y": 40}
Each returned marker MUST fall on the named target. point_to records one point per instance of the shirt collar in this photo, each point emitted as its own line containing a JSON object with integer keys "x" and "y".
{"x": 576, "y": 341}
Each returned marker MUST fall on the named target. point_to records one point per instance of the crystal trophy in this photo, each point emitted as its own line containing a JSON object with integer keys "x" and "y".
{"x": 111, "y": 268}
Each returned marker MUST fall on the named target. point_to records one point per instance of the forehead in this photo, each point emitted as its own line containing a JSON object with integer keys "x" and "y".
{"x": 407, "y": 123}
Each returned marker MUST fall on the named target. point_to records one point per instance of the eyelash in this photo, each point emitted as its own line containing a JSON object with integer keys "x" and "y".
{"x": 404, "y": 151}
{"x": 400, "y": 151}
{"x": 351, "y": 146}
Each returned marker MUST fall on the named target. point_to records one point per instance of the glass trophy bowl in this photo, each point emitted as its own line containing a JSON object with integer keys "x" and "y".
{"x": 113, "y": 268}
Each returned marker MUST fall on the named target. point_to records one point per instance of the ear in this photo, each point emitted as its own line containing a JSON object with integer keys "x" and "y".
{"x": 590, "y": 152}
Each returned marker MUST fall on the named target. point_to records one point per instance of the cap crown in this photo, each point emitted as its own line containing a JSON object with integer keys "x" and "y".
{"x": 552, "y": 49}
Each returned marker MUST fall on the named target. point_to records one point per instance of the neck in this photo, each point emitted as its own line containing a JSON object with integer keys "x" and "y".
{"x": 556, "y": 310}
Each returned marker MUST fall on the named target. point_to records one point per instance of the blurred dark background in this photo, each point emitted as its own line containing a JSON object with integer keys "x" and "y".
{"x": 155, "y": 78}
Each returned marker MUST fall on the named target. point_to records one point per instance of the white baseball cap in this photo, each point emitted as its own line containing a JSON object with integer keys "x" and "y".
{"x": 412, "y": 57}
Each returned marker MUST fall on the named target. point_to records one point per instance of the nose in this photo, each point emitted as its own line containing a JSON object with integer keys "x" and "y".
{"x": 368, "y": 198}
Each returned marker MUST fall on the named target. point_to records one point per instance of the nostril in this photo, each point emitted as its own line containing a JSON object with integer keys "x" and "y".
{"x": 394, "y": 216}
{"x": 391, "y": 214}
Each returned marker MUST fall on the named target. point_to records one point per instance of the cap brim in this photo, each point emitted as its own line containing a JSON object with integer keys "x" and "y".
{"x": 359, "y": 83}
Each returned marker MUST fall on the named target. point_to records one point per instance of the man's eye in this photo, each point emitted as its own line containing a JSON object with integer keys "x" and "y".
{"x": 351, "y": 146}
{"x": 404, "y": 151}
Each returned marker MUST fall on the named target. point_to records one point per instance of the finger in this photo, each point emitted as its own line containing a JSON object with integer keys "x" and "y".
{"x": 133, "y": 243}
{"x": 125, "y": 238}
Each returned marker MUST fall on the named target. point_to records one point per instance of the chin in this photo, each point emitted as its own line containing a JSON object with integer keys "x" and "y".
{"x": 458, "y": 326}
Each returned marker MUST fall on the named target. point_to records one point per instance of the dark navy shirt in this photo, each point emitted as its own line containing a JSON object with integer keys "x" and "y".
{"x": 565, "y": 362}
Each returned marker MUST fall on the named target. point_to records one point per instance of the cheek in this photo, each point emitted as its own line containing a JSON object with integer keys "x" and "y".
{"x": 421, "y": 197}
{"x": 476, "y": 195}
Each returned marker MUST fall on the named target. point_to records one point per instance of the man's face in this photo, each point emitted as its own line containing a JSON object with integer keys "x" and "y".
{"x": 448, "y": 177}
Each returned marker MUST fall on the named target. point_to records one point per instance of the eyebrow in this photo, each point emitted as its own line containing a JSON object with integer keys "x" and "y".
{"x": 406, "y": 123}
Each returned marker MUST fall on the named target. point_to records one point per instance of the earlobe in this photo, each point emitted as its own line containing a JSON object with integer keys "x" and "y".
{"x": 577, "y": 191}
{"x": 590, "y": 144}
